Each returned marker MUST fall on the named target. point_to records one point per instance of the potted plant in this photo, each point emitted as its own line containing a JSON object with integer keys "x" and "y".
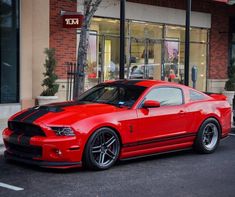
{"x": 230, "y": 83}
{"x": 50, "y": 88}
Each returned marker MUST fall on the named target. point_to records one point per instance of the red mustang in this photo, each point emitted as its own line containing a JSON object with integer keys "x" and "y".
{"x": 118, "y": 120}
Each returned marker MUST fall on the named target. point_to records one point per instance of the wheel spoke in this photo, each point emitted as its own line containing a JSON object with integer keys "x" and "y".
{"x": 101, "y": 158}
{"x": 96, "y": 149}
{"x": 110, "y": 154}
{"x": 101, "y": 138}
{"x": 110, "y": 141}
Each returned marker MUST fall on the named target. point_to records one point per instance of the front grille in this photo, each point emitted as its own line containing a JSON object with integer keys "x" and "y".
{"x": 29, "y": 130}
{"x": 24, "y": 151}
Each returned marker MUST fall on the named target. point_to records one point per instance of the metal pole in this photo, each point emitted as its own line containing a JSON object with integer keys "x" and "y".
{"x": 187, "y": 43}
{"x": 122, "y": 39}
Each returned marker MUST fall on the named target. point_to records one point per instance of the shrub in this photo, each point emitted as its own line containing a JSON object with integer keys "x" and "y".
{"x": 48, "y": 84}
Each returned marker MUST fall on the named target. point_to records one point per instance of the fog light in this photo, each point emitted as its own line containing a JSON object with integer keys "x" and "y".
{"x": 58, "y": 152}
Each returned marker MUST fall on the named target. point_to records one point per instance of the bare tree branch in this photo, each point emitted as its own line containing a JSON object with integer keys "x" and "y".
{"x": 94, "y": 8}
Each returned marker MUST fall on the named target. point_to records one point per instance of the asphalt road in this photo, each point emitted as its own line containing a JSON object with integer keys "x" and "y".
{"x": 182, "y": 174}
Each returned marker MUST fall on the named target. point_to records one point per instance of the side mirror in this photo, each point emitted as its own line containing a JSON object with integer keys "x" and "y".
{"x": 151, "y": 104}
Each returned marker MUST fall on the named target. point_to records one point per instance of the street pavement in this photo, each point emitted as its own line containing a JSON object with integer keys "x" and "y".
{"x": 178, "y": 174}
{"x": 3, "y": 125}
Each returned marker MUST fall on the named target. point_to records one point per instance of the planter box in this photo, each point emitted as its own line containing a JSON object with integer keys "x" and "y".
{"x": 43, "y": 100}
{"x": 229, "y": 95}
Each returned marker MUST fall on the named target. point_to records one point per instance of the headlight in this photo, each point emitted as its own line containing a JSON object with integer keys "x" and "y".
{"x": 63, "y": 131}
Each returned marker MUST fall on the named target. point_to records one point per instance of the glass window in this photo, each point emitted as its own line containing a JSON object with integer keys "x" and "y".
{"x": 198, "y": 35}
{"x": 233, "y": 52}
{"x": 150, "y": 53}
{"x": 166, "y": 96}
{"x": 233, "y": 37}
{"x": 195, "y": 96}
{"x": 175, "y": 32}
{"x": 106, "y": 26}
{"x": 9, "y": 55}
{"x": 139, "y": 29}
{"x": 198, "y": 58}
{"x": 118, "y": 95}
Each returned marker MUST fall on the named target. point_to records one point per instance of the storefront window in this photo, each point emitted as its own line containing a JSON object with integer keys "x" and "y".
{"x": 174, "y": 32}
{"x": 9, "y": 56}
{"x": 145, "y": 30}
{"x": 198, "y": 58}
{"x": 153, "y": 51}
{"x": 198, "y": 35}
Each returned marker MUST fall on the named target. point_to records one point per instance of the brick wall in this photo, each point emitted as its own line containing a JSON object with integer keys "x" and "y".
{"x": 219, "y": 45}
{"x": 63, "y": 40}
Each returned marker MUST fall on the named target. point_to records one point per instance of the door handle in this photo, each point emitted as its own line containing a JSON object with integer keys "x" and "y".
{"x": 181, "y": 112}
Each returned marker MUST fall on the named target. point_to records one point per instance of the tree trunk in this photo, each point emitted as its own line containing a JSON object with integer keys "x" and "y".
{"x": 90, "y": 8}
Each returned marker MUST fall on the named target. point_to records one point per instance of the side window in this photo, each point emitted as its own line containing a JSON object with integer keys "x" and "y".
{"x": 166, "y": 96}
{"x": 195, "y": 96}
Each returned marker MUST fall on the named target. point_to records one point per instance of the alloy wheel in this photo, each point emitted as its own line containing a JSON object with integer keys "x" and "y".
{"x": 210, "y": 136}
{"x": 104, "y": 149}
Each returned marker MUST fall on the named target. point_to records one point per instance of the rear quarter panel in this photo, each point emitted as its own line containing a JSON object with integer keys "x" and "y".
{"x": 202, "y": 110}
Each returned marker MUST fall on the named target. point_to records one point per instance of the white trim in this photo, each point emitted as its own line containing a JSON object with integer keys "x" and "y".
{"x": 143, "y": 12}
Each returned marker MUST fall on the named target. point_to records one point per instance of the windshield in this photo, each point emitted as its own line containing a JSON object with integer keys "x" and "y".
{"x": 118, "y": 95}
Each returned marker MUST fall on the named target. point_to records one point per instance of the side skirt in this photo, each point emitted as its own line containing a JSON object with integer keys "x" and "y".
{"x": 155, "y": 154}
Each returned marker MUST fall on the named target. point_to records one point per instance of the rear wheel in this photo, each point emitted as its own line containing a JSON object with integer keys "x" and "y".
{"x": 208, "y": 136}
{"x": 102, "y": 149}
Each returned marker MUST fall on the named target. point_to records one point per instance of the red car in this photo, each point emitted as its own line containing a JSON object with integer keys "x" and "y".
{"x": 118, "y": 120}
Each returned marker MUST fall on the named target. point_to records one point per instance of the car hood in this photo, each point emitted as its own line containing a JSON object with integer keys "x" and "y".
{"x": 65, "y": 113}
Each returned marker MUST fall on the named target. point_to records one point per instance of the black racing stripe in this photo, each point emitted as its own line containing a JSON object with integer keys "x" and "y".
{"x": 35, "y": 116}
{"x": 63, "y": 104}
{"x": 163, "y": 139}
{"x": 23, "y": 115}
{"x": 24, "y": 140}
{"x": 13, "y": 138}
{"x": 133, "y": 82}
{"x": 126, "y": 82}
{"x": 19, "y": 139}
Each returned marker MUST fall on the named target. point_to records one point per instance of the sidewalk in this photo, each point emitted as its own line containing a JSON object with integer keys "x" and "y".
{"x": 3, "y": 125}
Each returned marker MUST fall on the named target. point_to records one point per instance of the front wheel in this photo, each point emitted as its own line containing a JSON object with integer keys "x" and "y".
{"x": 208, "y": 136}
{"x": 102, "y": 149}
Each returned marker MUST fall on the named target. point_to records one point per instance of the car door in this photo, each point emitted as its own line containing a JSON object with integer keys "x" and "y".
{"x": 165, "y": 122}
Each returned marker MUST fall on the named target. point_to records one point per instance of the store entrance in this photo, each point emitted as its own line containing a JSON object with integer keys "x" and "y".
{"x": 145, "y": 59}
{"x": 103, "y": 59}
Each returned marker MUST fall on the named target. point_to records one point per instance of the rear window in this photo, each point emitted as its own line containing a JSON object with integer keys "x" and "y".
{"x": 196, "y": 96}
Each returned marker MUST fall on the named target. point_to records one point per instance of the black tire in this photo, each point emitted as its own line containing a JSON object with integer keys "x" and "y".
{"x": 102, "y": 149}
{"x": 208, "y": 136}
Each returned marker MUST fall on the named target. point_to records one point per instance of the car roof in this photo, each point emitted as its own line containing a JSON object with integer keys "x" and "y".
{"x": 141, "y": 82}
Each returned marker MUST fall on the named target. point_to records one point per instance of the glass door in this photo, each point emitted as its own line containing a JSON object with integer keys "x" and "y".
{"x": 102, "y": 59}
{"x": 145, "y": 59}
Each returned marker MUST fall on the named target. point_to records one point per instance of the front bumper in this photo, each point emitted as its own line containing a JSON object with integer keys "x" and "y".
{"x": 53, "y": 151}
{"x": 45, "y": 164}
